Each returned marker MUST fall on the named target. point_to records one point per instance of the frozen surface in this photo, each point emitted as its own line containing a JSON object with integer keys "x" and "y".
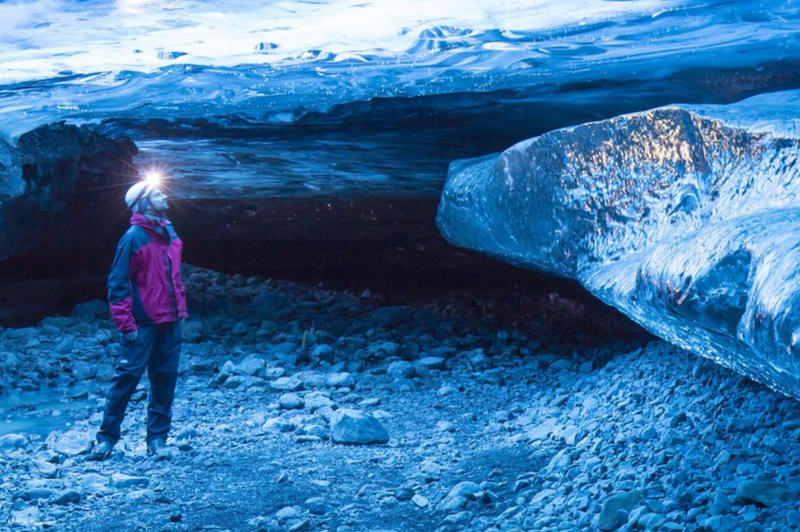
{"x": 275, "y": 61}
{"x": 686, "y": 218}
{"x": 213, "y": 89}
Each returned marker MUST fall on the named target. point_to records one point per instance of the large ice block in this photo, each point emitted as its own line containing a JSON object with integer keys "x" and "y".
{"x": 686, "y": 218}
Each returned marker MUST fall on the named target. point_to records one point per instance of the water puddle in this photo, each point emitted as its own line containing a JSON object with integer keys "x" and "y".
{"x": 40, "y": 412}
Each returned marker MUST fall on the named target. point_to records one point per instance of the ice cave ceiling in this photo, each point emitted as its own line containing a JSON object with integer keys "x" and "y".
{"x": 317, "y": 127}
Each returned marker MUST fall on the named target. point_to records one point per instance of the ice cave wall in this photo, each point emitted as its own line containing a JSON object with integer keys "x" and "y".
{"x": 684, "y": 217}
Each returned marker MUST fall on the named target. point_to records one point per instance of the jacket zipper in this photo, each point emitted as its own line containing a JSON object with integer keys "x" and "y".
{"x": 168, "y": 271}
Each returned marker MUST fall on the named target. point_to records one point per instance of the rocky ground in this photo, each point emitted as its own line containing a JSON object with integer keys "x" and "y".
{"x": 304, "y": 408}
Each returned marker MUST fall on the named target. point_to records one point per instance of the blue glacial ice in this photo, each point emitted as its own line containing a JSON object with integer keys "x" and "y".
{"x": 88, "y": 61}
{"x": 221, "y": 81}
{"x": 687, "y": 218}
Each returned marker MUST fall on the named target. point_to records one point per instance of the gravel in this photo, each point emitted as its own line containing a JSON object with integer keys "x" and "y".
{"x": 466, "y": 412}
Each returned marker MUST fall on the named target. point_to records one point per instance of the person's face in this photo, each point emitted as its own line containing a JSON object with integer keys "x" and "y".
{"x": 159, "y": 200}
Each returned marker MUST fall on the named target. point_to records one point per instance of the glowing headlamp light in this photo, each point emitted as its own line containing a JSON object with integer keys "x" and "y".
{"x": 153, "y": 179}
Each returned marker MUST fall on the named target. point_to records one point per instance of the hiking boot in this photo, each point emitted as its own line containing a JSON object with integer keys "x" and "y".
{"x": 158, "y": 449}
{"x": 101, "y": 451}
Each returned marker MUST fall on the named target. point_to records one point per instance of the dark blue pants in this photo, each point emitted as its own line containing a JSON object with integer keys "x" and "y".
{"x": 157, "y": 348}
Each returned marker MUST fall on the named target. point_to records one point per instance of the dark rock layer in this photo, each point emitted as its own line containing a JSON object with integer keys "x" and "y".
{"x": 69, "y": 208}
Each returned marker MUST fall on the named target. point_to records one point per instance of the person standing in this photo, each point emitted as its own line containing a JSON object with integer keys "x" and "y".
{"x": 148, "y": 304}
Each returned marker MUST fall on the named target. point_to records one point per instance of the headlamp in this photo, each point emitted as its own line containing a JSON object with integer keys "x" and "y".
{"x": 153, "y": 179}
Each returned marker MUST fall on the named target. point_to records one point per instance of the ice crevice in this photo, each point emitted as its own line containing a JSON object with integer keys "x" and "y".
{"x": 684, "y": 217}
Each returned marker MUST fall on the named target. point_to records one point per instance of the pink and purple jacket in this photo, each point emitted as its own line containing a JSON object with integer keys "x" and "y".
{"x": 144, "y": 285}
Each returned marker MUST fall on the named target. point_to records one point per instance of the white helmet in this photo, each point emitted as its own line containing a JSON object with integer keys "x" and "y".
{"x": 142, "y": 189}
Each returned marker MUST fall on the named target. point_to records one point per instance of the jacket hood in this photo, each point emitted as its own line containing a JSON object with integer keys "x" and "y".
{"x": 138, "y": 218}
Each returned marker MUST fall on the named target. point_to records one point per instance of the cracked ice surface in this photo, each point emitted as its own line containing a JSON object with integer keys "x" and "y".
{"x": 687, "y": 218}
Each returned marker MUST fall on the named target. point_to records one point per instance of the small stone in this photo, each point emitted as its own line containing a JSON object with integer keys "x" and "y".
{"x": 192, "y": 331}
{"x": 336, "y": 380}
{"x": 36, "y": 493}
{"x": 763, "y": 493}
{"x": 74, "y": 443}
{"x": 404, "y": 494}
{"x": 649, "y": 521}
{"x": 105, "y": 372}
{"x": 445, "y": 426}
{"x": 676, "y": 420}
{"x": 291, "y": 401}
{"x": 83, "y": 370}
{"x": 356, "y": 427}
{"x": 308, "y": 438}
{"x": 519, "y": 485}
{"x": 372, "y": 401}
{"x": 323, "y": 353}
{"x": 720, "y": 523}
{"x": 188, "y": 433}
{"x": 287, "y": 513}
{"x": 559, "y": 400}
{"x": 316, "y": 400}
{"x": 400, "y": 369}
{"x": 446, "y": 390}
{"x": 610, "y": 511}
{"x": 12, "y": 442}
{"x": 431, "y": 363}
{"x": 237, "y": 381}
{"x": 431, "y": 471}
{"x": 274, "y": 373}
{"x": 93, "y": 483}
{"x": 26, "y": 517}
{"x": 42, "y": 468}
{"x": 67, "y": 497}
{"x": 419, "y": 501}
{"x": 649, "y": 433}
{"x": 253, "y": 367}
{"x": 318, "y": 506}
{"x": 382, "y": 350}
{"x": 562, "y": 364}
{"x": 459, "y": 519}
{"x": 402, "y": 385}
{"x": 278, "y": 425}
{"x": 287, "y": 384}
{"x": 312, "y": 379}
{"x": 367, "y": 490}
{"x": 492, "y": 376}
{"x": 458, "y": 497}
{"x": 118, "y": 480}
{"x": 315, "y": 430}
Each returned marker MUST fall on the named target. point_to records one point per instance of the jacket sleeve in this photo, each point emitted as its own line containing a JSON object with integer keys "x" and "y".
{"x": 183, "y": 313}
{"x": 120, "y": 293}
